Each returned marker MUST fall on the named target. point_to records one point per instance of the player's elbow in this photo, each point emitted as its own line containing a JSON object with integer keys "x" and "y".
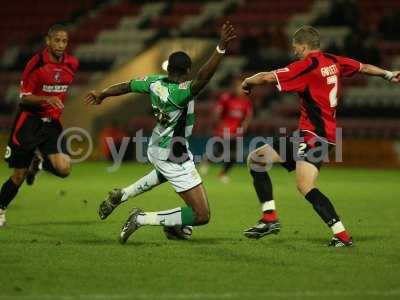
{"x": 364, "y": 68}
{"x": 24, "y": 98}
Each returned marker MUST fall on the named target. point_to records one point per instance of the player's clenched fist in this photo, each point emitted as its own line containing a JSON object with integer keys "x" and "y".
{"x": 92, "y": 98}
{"x": 55, "y": 102}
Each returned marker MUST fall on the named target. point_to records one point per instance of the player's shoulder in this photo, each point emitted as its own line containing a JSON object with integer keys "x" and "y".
{"x": 333, "y": 57}
{"x": 71, "y": 61}
{"x": 296, "y": 66}
{"x": 338, "y": 58}
{"x": 34, "y": 63}
{"x": 150, "y": 78}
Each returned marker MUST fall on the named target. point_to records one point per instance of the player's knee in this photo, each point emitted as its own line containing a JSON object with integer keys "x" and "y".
{"x": 304, "y": 187}
{"x": 18, "y": 177}
{"x": 254, "y": 162}
{"x": 63, "y": 170}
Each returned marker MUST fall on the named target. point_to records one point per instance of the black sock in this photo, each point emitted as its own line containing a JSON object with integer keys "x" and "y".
{"x": 322, "y": 206}
{"x": 263, "y": 186}
{"x": 8, "y": 192}
{"x": 48, "y": 166}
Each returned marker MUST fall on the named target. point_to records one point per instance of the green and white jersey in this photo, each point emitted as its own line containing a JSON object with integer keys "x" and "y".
{"x": 173, "y": 107}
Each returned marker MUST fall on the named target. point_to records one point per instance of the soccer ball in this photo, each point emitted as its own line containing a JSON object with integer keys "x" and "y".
{"x": 178, "y": 232}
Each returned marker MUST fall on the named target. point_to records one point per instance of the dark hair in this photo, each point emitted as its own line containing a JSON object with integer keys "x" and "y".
{"x": 307, "y": 35}
{"x": 56, "y": 28}
{"x": 179, "y": 63}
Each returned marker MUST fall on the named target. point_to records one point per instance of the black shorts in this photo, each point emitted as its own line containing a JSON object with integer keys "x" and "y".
{"x": 295, "y": 148}
{"x": 29, "y": 133}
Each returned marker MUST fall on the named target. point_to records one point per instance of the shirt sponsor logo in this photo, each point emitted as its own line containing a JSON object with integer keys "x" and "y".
{"x": 55, "y": 88}
{"x": 329, "y": 71}
{"x": 184, "y": 85}
{"x": 57, "y": 76}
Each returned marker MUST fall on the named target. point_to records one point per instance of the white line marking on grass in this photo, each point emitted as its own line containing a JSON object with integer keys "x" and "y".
{"x": 279, "y": 294}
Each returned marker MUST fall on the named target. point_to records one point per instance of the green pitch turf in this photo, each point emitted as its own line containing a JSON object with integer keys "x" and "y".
{"x": 55, "y": 247}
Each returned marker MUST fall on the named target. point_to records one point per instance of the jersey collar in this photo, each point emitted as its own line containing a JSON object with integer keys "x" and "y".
{"x": 46, "y": 57}
{"x": 315, "y": 53}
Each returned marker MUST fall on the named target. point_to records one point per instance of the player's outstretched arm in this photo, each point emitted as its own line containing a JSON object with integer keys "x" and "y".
{"x": 258, "y": 79}
{"x": 207, "y": 71}
{"x": 371, "y": 70}
{"x": 96, "y": 98}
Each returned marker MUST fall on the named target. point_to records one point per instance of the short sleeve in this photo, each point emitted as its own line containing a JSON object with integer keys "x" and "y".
{"x": 29, "y": 84}
{"x": 30, "y": 77}
{"x": 140, "y": 85}
{"x": 291, "y": 78}
{"x": 348, "y": 66}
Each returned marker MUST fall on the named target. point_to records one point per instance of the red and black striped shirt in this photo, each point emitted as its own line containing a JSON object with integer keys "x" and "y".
{"x": 317, "y": 80}
{"x": 43, "y": 77}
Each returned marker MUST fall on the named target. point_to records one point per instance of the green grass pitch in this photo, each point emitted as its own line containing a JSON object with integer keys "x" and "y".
{"x": 55, "y": 247}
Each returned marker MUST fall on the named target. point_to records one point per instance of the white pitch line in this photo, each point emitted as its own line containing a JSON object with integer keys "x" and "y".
{"x": 308, "y": 294}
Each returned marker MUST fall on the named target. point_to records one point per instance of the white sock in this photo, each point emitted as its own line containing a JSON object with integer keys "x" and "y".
{"x": 144, "y": 184}
{"x": 170, "y": 217}
{"x": 337, "y": 227}
{"x": 269, "y": 205}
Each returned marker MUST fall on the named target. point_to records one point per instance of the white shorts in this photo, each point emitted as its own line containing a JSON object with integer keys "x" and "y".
{"x": 182, "y": 176}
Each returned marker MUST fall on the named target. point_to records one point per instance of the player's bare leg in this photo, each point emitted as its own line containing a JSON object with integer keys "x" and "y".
{"x": 9, "y": 190}
{"x": 306, "y": 176}
{"x": 118, "y": 195}
{"x": 196, "y": 199}
{"x": 196, "y": 213}
{"x": 259, "y": 162}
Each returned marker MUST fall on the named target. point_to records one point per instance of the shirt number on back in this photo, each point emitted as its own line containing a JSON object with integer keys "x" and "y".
{"x": 333, "y": 93}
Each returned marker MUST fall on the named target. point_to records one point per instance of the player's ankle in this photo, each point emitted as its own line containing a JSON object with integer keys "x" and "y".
{"x": 340, "y": 232}
{"x": 344, "y": 236}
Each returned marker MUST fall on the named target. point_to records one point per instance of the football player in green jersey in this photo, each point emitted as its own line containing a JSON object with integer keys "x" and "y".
{"x": 172, "y": 100}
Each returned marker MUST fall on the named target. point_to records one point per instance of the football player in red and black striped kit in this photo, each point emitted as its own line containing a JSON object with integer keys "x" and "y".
{"x": 37, "y": 127}
{"x": 316, "y": 77}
